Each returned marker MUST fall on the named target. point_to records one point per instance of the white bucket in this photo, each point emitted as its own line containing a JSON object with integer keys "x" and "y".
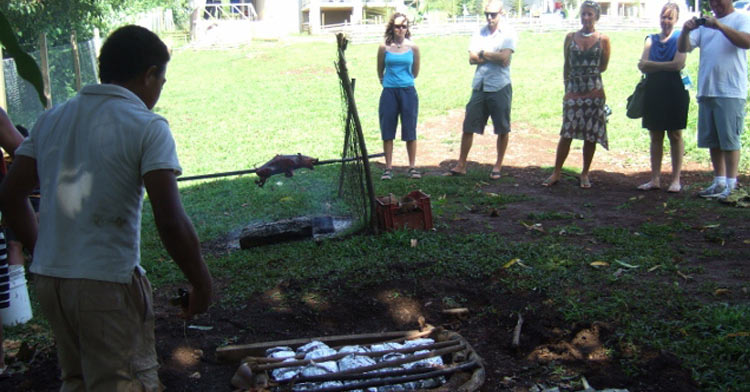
{"x": 19, "y": 310}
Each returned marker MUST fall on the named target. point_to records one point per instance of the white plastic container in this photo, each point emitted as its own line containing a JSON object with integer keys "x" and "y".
{"x": 19, "y": 310}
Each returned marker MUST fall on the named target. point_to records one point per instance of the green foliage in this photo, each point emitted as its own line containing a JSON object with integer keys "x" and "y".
{"x": 58, "y": 18}
{"x": 25, "y": 64}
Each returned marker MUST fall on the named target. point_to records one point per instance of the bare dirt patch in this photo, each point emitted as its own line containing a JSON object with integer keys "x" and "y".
{"x": 187, "y": 355}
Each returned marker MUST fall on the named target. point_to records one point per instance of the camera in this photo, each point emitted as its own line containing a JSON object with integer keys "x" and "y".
{"x": 700, "y": 21}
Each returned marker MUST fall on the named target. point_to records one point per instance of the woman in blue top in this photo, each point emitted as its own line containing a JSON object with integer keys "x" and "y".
{"x": 666, "y": 100}
{"x": 398, "y": 66}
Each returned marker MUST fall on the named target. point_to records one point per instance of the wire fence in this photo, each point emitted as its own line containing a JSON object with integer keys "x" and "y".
{"x": 22, "y": 99}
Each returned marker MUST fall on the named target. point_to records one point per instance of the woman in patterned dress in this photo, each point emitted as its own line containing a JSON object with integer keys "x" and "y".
{"x": 586, "y": 57}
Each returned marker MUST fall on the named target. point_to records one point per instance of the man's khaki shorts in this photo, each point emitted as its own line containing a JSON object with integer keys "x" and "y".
{"x": 104, "y": 332}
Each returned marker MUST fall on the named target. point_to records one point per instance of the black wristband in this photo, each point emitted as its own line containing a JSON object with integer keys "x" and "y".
{"x": 481, "y": 54}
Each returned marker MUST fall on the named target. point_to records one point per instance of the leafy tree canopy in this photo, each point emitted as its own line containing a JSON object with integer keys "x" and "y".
{"x": 58, "y": 18}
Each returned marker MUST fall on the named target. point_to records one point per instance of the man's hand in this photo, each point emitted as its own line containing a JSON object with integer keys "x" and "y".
{"x": 198, "y": 302}
{"x": 178, "y": 236}
{"x": 693, "y": 23}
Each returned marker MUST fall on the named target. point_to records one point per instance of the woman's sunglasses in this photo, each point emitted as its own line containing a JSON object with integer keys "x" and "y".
{"x": 401, "y": 26}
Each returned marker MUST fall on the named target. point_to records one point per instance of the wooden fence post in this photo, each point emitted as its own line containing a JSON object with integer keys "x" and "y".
{"x": 45, "y": 69}
{"x": 3, "y": 101}
{"x": 76, "y": 59}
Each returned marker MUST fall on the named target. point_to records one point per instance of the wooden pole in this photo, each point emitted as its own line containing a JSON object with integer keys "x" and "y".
{"x": 346, "y": 143}
{"x": 45, "y": 69}
{"x": 76, "y": 59}
{"x": 346, "y": 83}
{"x": 3, "y": 101}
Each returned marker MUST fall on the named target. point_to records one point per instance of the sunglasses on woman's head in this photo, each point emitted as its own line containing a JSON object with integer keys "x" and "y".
{"x": 491, "y": 15}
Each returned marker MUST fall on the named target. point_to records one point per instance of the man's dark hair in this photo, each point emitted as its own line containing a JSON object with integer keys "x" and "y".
{"x": 130, "y": 51}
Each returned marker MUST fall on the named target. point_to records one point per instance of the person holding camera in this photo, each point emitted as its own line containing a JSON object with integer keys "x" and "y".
{"x": 722, "y": 88}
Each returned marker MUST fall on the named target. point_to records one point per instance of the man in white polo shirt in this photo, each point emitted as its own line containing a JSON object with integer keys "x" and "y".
{"x": 490, "y": 49}
{"x": 722, "y": 88}
{"x": 92, "y": 156}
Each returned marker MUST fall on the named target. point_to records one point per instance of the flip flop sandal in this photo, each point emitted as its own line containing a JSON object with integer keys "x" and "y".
{"x": 414, "y": 173}
{"x": 387, "y": 175}
{"x": 648, "y": 187}
{"x": 495, "y": 175}
{"x": 453, "y": 173}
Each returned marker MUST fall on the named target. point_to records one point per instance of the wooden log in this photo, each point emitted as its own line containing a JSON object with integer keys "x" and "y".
{"x": 274, "y": 232}
{"x": 237, "y": 352}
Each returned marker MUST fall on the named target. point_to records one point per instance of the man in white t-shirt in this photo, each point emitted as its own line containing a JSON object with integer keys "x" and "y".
{"x": 92, "y": 156}
{"x": 722, "y": 88}
{"x": 490, "y": 49}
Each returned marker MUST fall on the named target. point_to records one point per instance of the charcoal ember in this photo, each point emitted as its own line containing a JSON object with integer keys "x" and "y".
{"x": 286, "y": 373}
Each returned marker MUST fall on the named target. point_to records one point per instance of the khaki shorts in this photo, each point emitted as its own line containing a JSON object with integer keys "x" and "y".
{"x": 104, "y": 332}
{"x": 721, "y": 122}
{"x": 483, "y": 105}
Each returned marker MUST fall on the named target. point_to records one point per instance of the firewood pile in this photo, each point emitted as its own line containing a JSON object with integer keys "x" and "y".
{"x": 430, "y": 360}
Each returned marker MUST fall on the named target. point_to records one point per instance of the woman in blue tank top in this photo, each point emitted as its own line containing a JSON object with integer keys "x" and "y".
{"x": 398, "y": 66}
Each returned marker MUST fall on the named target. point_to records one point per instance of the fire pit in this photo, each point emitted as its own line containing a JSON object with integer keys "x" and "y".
{"x": 430, "y": 360}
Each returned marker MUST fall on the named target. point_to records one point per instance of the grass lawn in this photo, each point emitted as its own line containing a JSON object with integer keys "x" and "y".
{"x": 235, "y": 109}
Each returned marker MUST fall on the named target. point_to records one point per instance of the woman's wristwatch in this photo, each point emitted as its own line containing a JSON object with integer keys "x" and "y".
{"x": 481, "y": 54}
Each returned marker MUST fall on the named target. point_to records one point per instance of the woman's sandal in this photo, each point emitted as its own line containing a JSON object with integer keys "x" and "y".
{"x": 414, "y": 173}
{"x": 550, "y": 181}
{"x": 387, "y": 174}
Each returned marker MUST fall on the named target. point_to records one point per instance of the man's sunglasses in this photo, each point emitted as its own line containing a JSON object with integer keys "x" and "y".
{"x": 401, "y": 26}
{"x": 491, "y": 15}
